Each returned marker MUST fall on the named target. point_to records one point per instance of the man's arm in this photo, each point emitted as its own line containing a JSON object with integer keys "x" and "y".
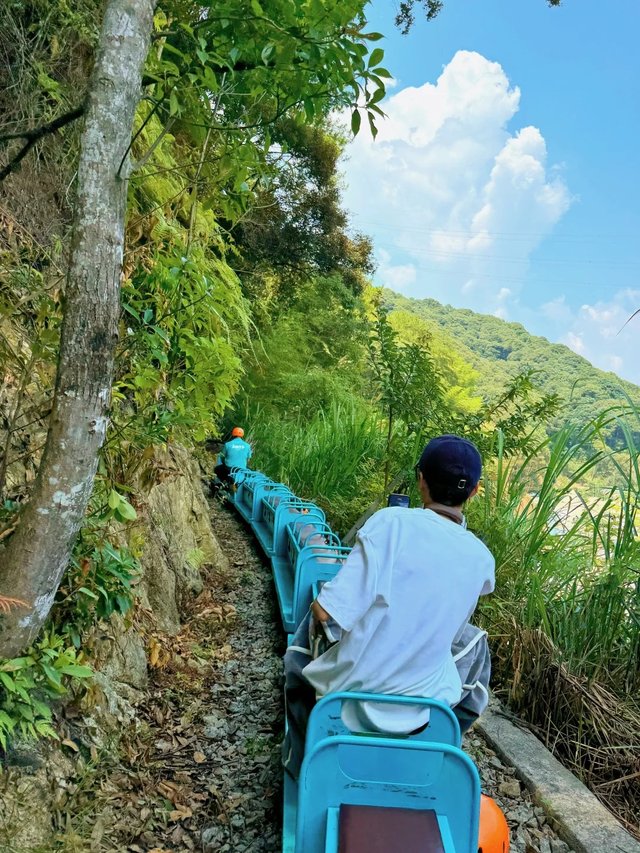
{"x": 352, "y": 591}
{"x": 319, "y": 613}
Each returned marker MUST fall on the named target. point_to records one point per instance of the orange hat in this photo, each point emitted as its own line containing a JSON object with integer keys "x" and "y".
{"x": 494, "y": 831}
{"x": 237, "y": 432}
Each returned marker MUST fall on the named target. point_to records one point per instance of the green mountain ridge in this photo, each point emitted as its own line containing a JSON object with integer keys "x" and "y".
{"x": 498, "y": 350}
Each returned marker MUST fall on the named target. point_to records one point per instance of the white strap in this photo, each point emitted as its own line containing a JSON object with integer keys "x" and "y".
{"x": 470, "y": 645}
{"x": 479, "y": 685}
{"x": 300, "y": 649}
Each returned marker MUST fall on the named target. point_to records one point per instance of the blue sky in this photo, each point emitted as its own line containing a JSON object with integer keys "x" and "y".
{"x": 507, "y": 177}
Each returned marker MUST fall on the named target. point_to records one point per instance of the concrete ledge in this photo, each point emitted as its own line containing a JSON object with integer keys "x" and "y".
{"x": 577, "y": 815}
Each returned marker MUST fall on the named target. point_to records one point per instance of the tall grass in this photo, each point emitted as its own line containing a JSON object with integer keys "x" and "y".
{"x": 575, "y": 575}
{"x": 334, "y": 457}
{"x": 565, "y": 618}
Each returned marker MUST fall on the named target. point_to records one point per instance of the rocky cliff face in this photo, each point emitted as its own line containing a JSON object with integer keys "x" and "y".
{"x": 176, "y": 540}
{"x": 177, "y": 537}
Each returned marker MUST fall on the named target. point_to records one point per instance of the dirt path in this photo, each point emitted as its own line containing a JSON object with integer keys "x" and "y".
{"x": 247, "y": 717}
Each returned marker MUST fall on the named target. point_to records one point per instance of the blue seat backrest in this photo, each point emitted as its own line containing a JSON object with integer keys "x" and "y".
{"x": 272, "y": 502}
{"x": 261, "y": 490}
{"x": 299, "y": 530}
{"x": 315, "y": 563}
{"x": 326, "y": 720}
{"x": 387, "y": 773}
{"x": 277, "y": 510}
{"x": 248, "y": 486}
{"x": 239, "y": 474}
{"x": 288, "y": 511}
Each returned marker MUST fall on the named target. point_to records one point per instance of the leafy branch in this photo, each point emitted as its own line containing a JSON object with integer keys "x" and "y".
{"x": 34, "y": 135}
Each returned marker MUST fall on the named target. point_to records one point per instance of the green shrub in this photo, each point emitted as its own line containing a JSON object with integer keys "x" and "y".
{"x": 30, "y": 683}
{"x": 100, "y": 581}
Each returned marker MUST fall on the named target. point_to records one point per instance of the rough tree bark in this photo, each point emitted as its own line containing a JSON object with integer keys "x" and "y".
{"x": 36, "y": 556}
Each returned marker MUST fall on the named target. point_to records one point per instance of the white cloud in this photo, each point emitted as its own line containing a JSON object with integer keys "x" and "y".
{"x": 457, "y": 200}
{"x": 575, "y": 343}
{"x": 557, "y": 311}
{"x": 396, "y": 277}
{"x": 600, "y": 332}
{"x": 617, "y": 363}
{"x": 447, "y": 190}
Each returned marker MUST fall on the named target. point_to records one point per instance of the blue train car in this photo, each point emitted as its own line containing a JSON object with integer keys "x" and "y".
{"x": 357, "y": 791}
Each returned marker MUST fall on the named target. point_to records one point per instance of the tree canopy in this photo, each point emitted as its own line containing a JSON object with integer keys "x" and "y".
{"x": 406, "y": 15}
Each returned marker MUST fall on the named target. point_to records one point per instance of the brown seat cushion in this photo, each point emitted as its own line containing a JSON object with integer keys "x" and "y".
{"x": 371, "y": 829}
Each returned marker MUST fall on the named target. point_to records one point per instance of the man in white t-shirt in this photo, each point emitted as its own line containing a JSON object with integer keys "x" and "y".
{"x": 406, "y": 591}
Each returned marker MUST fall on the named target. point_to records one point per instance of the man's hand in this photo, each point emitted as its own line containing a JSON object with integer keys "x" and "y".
{"x": 319, "y": 613}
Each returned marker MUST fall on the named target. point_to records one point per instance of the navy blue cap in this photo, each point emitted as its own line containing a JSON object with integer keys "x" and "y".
{"x": 451, "y": 464}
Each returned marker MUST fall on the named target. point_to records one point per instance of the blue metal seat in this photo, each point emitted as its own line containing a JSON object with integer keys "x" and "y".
{"x": 386, "y": 773}
{"x": 243, "y": 498}
{"x": 314, "y": 553}
{"x": 296, "y": 570}
{"x": 278, "y": 510}
{"x": 288, "y": 513}
{"x": 326, "y": 721}
{"x": 303, "y": 531}
{"x": 315, "y": 564}
{"x": 253, "y": 491}
{"x": 239, "y": 475}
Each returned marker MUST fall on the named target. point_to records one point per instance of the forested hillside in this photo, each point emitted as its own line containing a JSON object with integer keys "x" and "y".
{"x": 499, "y": 350}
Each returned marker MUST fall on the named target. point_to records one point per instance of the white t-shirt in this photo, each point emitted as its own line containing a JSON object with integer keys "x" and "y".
{"x": 411, "y": 581}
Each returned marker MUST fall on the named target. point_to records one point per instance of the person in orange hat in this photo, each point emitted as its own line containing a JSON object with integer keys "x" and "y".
{"x": 236, "y": 453}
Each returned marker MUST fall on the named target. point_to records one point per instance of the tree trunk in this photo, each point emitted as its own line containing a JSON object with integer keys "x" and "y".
{"x": 35, "y": 558}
